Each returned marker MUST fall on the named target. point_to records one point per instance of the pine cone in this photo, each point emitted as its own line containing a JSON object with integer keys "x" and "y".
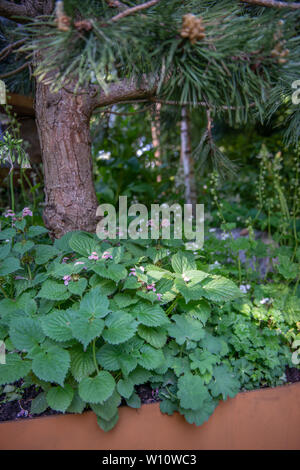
{"x": 84, "y": 25}
{"x": 192, "y": 28}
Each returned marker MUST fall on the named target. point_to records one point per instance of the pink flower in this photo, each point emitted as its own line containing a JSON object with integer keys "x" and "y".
{"x": 159, "y": 296}
{"x": 26, "y": 211}
{"x": 165, "y": 223}
{"x": 107, "y": 255}
{"x": 94, "y": 255}
{"x": 9, "y": 213}
{"x": 65, "y": 259}
{"x": 133, "y": 272}
{"x": 185, "y": 278}
{"x": 151, "y": 287}
{"x": 78, "y": 262}
{"x": 66, "y": 280}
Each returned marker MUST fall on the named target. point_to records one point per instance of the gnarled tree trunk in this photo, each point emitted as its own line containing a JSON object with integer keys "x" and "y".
{"x": 187, "y": 159}
{"x": 63, "y": 121}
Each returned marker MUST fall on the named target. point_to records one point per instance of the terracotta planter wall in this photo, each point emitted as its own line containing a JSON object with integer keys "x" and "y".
{"x": 263, "y": 419}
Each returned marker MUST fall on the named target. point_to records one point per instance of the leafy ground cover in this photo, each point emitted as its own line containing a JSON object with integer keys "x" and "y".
{"x": 85, "y": 322}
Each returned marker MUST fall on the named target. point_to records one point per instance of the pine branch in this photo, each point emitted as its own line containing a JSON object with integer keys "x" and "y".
{"x": 132, "y": 10}
{"x": 124, "y": 90}
{"x": 7, "y": 50}
{"x": 116, "y": 4}
{"x": 273, "y": 4}
{"x": 14, "y": 72}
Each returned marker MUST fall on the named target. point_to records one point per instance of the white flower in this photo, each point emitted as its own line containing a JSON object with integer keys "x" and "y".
{"x": 264, "y": 301}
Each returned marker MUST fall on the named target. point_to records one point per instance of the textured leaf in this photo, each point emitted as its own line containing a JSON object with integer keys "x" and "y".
{"x": 51, "y": 364}
{"x": 220, "y": 289}
{"x": 134, "y": 401}
{"x": 120, "y": 327}
{"x": 25, "y": 333}
{"x": 85, "y": 329}
{"x": 225, "y": 382}
{"x": 168, "y": 407}
{"x": 77, "y": 287}
{"x": 182, "y": 262}
{"x": 116, "y": 272}
{"x": 150, "y": 315}
{"x": 95, "y": 303}
{"x": 14, "y": 369}
{"x": 82, "y": 244}
{"x": 97, "y": 389}
{"x": 39, "y": 404}
{"x": 151, "y": 358}
{"x": 109, "y": 408}
{"x": 124, "y": 300}
{"x": 77, "y": 405}
{"x": 114, "y": 358}
{"x": 52, "y": 290}
{"x": 5, "y": 250}
{"x": 157, "y": 337}
{"x": 59, "y": 398}
{"x": 57, "y": 325}
{"x": 185, "y": 329}
{"x": 192, "y": 392}
{"x": 8, "y": 266}
{"x": 139, "y": 376}
{"x": 44, "y": 253}
{"x": 199, "y": 417}
{"x": 214, "y": 344}
{"x": 36, "y": 231}
{"x": 203, "y": 360}
{"x": 82, "y": 363}
{"x": 107, "y": 425}
{"x": 125, "y": 387}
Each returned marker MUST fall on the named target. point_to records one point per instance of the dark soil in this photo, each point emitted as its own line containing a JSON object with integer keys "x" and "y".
{"x": 20, "y": 409}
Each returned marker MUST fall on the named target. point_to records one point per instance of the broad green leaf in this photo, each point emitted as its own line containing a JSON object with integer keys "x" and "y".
{"x": 4, "y": 250}
{"x": 203, "y": 360}
{"x": 220, "y": 289}
{"x": 82, "y": 363}
{"x": 114, "y": 358}
{"x": 97, "y": 389}
{"x": 77, "y": 287}
{"x": 36, "y": 231}
{"x": 39, "y": 404}
{"x": 199, "y": 417}
{"x": 22, "y": 248}
{"x": 157, "y": 337}
{"x": 44, "y": 253}
{"x": 60, "y": 398}
{"x": 9, "y": 266}
{"x": 151, "y": 358}
{"x": 85, "y": 329}
{"x": 225, "y": 383}
{"x": 107, "y": 425}
{"x": 26, "y": 333}
{"x": 77, "y": 405}
{"x": 168, "y": 407}
{"x": 7, "y": 234}
{"x": 119, "y": 327}
{"x": 57, "y": 325}
{"x": 52, "y": 290}
{"x": 134, "y": 401}
{"x": 14, "y": 369}
{"x": 192, "y": 392}
{"x": 125, "y": 388}
{"x": 51, "y": 364}
{"x": 94, "y": 303}
{"x": 124, "y": 300}
{"x": 116, "y": 272}
{"x": 139, "y": 376}
{"x": 185, "y": 328}
{"x": 82, "y": 244}
{"x": 214, "y": 344}
{"x": 109, "y": 408}
{"x": 182, "y": 262}
{"x": 150, "y": 315}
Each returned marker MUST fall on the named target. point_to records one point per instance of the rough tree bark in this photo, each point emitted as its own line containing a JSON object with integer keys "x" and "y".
{"x": 187, "y": 159}
{"x": 63, "y": 124}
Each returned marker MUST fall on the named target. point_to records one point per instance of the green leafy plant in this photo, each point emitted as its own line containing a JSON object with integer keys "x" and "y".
{"x": 88, "y": 320}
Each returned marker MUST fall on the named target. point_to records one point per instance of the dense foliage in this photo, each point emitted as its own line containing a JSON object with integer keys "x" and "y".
{"x": 87, "y": 321}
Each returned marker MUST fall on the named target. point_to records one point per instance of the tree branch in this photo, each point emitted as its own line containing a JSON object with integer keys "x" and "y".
{"x": 132, "y": 10}
{"x": 14, "y": 72}
{"x": 274, "y": 4}
{"x": 124, "y": 90}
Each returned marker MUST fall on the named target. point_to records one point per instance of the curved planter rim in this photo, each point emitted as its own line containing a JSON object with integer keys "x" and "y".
{"x": 260, "y": 419}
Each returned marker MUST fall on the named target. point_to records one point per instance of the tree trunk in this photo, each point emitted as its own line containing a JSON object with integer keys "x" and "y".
{"x": 155, "y": 131}
{"x": 187, "y": 159}
{"x": 63, "y": 121}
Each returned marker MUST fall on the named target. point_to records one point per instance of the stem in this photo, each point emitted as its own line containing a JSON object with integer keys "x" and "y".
{"x": 11, "y": 184}
{"x": 172, "y": 306}
{"x": 94, "y": 356}
{"x": 3, "y": 292}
